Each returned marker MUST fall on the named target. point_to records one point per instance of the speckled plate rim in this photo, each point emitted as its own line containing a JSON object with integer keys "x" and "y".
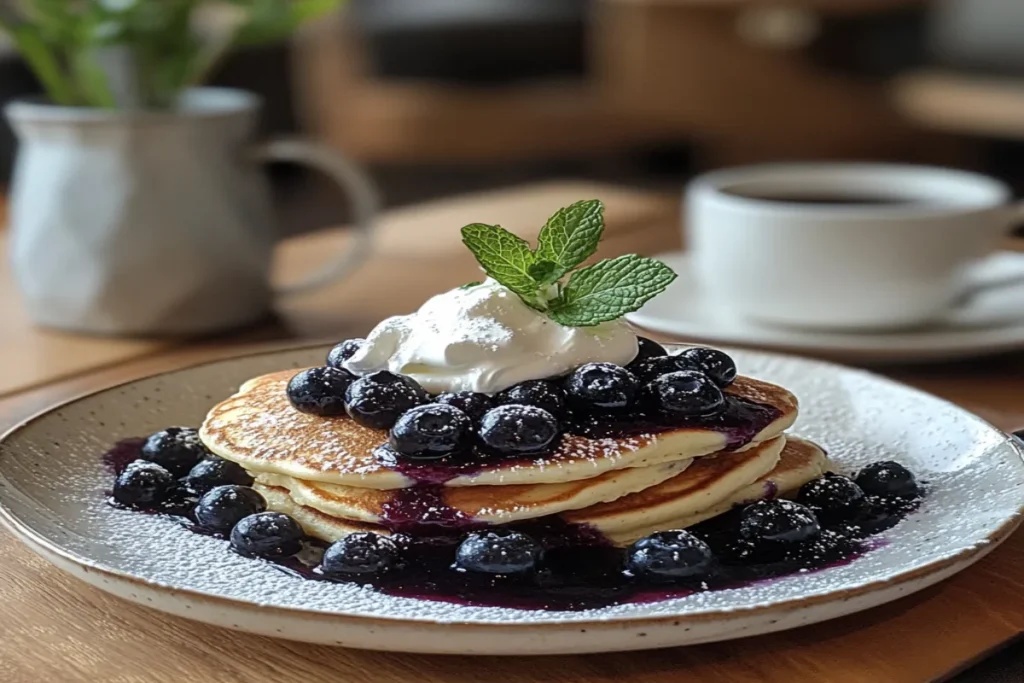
{"x": 853, "y": 597}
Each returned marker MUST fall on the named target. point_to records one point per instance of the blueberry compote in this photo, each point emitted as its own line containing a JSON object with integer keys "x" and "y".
{"x": 576, "y": 568}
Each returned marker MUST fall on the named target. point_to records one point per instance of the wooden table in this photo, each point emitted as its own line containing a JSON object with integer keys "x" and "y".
{"x": 990, "y": 106}
{"x": 53, "y": 628}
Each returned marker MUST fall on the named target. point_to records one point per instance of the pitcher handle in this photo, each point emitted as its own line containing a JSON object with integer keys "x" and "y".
{"x": 364, "y": 198}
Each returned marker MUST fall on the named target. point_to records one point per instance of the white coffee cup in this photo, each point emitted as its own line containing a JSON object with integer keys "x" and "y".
{"x": 898, "y": 258}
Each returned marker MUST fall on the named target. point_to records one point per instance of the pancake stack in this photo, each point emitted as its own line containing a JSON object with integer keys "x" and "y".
{"x": 330, "y": 476}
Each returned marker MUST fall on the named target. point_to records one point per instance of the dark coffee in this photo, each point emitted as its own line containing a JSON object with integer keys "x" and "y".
{"x": 825, "y": 199}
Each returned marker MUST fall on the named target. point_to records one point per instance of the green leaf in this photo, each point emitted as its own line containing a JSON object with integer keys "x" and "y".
{"x": 571, "y": 235}
{"x": 609, "y": 289}
{"x": 44, "y": 63}
{"x": 273, "y": 20}
{"x": 503, "y": 256}
{"x": 544, "y": 272}
{"x": 471, "y": 285}
{"x": 92, "y": 80}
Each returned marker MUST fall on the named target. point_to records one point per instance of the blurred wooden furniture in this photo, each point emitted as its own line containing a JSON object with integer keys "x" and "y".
{"x": 659, "y": 70}
{"x": 383, "y": 120}
{"x": 57, "y": 629}
{"x": 733, "y": 75}
{"x": 963, "y": 103}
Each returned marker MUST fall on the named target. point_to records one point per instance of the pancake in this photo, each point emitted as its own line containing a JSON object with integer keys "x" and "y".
{"x": 259, "y": 429}
{"x": 313, "y": 522}
{"x": 486, "y": 504}
{"x": 701, "y": 486}
{"x": 800, "y": 462}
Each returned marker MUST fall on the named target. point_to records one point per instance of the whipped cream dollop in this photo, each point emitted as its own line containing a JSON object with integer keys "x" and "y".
{"x": 484, "y": 338}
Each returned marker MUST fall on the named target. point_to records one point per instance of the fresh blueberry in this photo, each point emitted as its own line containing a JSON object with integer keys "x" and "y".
{"x": 778, "y": 521}
{"x": 222, "y": 507}
{"x": 648, "y": 348}
{"x": 684, "y": 393}
{"x": 675, "y": 554}
{"x": 143, "y": 484}
{"x": 535, "y": 392}
{"x": 714, "y": 363}
{"x": 651, "y": 369}
{"x": 888, "y": 478}
{"x": 176, "y": 449}
{"x": 830, "y": 546}
{"x": 214, "y": 471}
{"x": 343, "y": 351}
{"x": 267, "y": 534}
{"x": 471, "y": 403}
{"x": 881, "y": 512}
{"x": 320, "y": 391}
{"x": 360, "y": 554}
{"x": 832, "y": 496}
{"x": 600, "y": 386}
{"x": 378, "y": 399}
{"x": 498, "y": 551}
{"x": 431, "y": 431}
{"x": 518, "y": 430}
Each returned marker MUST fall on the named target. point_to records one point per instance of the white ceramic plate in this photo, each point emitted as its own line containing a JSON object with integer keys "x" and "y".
{"x": 53, "y": 484}
{"x": 992, "y": 322}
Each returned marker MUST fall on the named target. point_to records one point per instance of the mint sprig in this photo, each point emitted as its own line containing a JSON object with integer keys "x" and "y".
{"x": 592, "y": 295}
{"x": 609, "y": 289}
{"x": 570, "y": 237}
{"x": 503, "y": 256}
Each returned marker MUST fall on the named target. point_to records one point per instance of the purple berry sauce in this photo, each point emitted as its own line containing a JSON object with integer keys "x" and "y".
{"x": 581, "y": 569}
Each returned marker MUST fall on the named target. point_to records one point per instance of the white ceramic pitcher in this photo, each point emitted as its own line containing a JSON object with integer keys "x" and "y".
{"x": 133, "y": 222}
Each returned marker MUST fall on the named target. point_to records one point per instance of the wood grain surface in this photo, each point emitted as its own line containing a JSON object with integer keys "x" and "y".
{"x": 54, "y": 628}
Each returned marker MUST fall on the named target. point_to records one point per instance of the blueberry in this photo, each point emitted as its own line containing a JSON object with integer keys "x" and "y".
{"x": 832, "y": 496}
{"x": 176, "y": 449}
{"x": 143, "y": 484}
{"x": 498, "y": 551}
{"x": 830, "y": 546}
{"x": 534, "y": 392}
{"x": 778, "y": 521}
{"x": 360, "y": 554}
{"x": 378, "y": 399}
{"x": 888, "y": 478}
{"x": 675, "y": 554}
{"x": 214, "y": 471}
{"x": 267, "y": 534}
{"x": 471, "y": 403}
{"x": 222, "y": 507}
{"x": 683, "y": 393}
{"x": 518, "y": 430}
{"x": 652, "y": 368}
{"x": 343, "y": 351}
{"x": 320, "y": 391}
{"x": 431, "y": 431}
{"x": 600, "y": 386}
{"x": 648, "y": 348}
{"x": 714, "y": 363}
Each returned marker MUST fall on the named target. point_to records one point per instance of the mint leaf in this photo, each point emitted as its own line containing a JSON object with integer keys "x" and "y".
{"x": 544, "y": 272}
{"x": 609, "y": 289}
{"x": 571, "y": 235}
{"x": 470, "y": 285}
{"x": 503, "y": 256}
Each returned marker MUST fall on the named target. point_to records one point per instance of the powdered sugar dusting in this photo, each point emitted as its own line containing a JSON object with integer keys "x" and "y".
{"x": 975, "y": 480}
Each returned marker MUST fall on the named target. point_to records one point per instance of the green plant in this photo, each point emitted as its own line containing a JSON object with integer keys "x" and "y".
{"x": 141, "y": 53}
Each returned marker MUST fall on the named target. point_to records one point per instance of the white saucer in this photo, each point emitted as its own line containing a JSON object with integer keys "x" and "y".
{"x": 991, "y": 322}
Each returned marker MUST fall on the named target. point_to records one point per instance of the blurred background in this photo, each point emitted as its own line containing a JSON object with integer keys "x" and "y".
{"x": 436, "y": 97}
